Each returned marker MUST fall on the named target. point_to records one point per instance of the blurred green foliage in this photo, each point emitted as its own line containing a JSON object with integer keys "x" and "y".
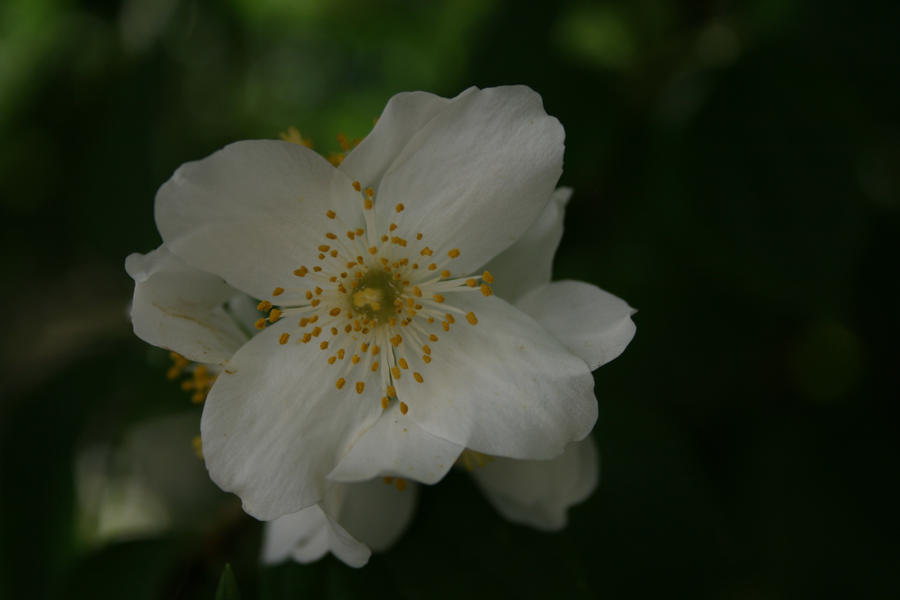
{"x": 736, "y": 176}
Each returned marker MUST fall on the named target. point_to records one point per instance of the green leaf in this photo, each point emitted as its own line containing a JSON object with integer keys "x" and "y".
{"x": 227, "y": 589}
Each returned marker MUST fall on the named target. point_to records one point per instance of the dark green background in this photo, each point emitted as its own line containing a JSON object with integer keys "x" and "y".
{"x": 736, "y": 179}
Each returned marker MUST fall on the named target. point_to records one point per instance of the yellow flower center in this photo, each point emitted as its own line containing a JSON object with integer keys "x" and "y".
{"x": 374, "y": 303}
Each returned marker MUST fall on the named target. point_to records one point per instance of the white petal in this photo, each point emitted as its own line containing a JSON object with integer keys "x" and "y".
{"x": 180, "y": 308}
{"x": 351, "y": 519}
{"x": 503, "y": 387}
{"x": 397, "y": 446}
{"x": 253, "y": 212}
{"x": 404, "y": 115}
{"x": 274, "y": 424}
{"x": 528, "y": 263}
{"x": 302, "y": 534}
{"x": 373, "y": 512}
{"x": 593, "y": 324}
{"x": 539, "y": 492}
{"x": 476, "y": 176}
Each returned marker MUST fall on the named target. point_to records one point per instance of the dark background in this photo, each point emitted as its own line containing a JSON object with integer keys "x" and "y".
{"x": 736, "y": 179}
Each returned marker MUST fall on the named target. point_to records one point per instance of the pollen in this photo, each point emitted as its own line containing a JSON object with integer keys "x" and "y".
{"x": 260, "y": 323}
{"x": 385, "y": 401}
{"x": 278, "y": 291}
{"x": 392, "y": 391}
{"x": 340, "y": 383}
{"x": 486, "y": 289}
{"x": 471, "y": 318}
{"x": 453, "y": 253}
{"x": 284, "y": 338}
{"x": 324, "y": 345}
{"x": 487, "y": 277}
{"x": 404, "y": 408}
{"x": 445, "y": 274}
{"x": 396, "y": 340}
{"x": 402, "y": 362}
{"x": 331, "y": 214}
{"x": 264, "y": 306}
{"x": 438, "y": 298}
{"x": 399, "y": 207}
{"x": 360, "y": 386}
{"x": 418, "y": 377}
{"x": 357, "y": 186}
{"x": 301, "y": 272}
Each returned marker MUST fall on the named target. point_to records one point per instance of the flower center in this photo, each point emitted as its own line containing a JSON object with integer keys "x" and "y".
{"x": 376, "y": 296}
{"x": 375, "y": 303}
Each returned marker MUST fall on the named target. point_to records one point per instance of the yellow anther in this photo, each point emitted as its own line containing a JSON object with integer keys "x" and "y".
{"x": 373, "y": 250}
{"x": 333, "y": 253}
{"x": 426, "y": 349}
{"x": 445, "y": 325}
{"x": 340, "y": 354}
{"x": 315, "y": 302}
{"x": 418, "y": 236}
{"x": 317, "y": 269}
{"x": 331, "y": 214}
{"x": 359, "y": 231}
{"x": 392, "y": 227}
{"x": 450, "y": 318}
{"x": 375, "y": 366}
{"x": 284, "y": 338}
{"x": 324, "y": 345}
{"x": 472, "y": 282}
{"x": 331, "y": 359}
{"x": 368, "y": 204}
{"x": 445, "y": 274}
{"x": 486, "y": 289}
{"x": 391, "y": 391}
{"x": 306, "y": 337}
{"x": 324, "y": 248}
{"x": 316, "y": 331}
{"x": 396, "y": 340}
{"x": 384, "y": 238}
{"x": 360, "y": 386}
{"x": 301, "y": 272}
{"x": 264, "y": 305}
{"x": 453, "y": 253}
{"x": 438, "y": 298}
{"x": 274, "y": 315}
{"x": 376, "y": 349}
{"x": 395, "y": 372}
{"x": 357, "y": 186}
{"x": 336, "y": 158}
{"x": 309, "y": 294}
{"x": 426, "y": 358}
{"x": 355, "y": 359}
{"x": 432, "y": 337}
{"x": 340, "y": 383}
{"x": 385, "y": 401}
{"x": 426, "y": 251}
{"x": 418, "y": 377}
{"x": 330, "y": 236}
{"x": 351, "y": 235}
{"x": 334, "y": 311}
{"x": 278, "y": 291}
{"x": 471, "y": 318}
{"x": 334, "y": 331}
{"x": 404, "y": 408}
{"x": 487, "y": 277}
{"x": 314, "y": 318}
{"x": 369, "y": 192}
{"x": 399, "y": 207}
{"x": 304, "y": 322}
{"x": 432, "y": 267}
{"x": 364, "y": 346}
{"x": 403, "y": 364}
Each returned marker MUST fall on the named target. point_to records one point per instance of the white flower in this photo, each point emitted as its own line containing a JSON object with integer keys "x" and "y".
{"x": 386, "y": 353}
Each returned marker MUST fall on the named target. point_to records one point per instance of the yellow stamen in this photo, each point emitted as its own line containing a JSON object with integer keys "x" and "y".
{"x": 403, "y": 408}
{"x": 284, "y": 338}
{"x": 471, "y": 318}
{"x": 340, "y": 383}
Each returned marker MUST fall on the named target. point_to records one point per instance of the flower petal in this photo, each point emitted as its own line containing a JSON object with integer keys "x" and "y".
{"x": 274, "y": 424}
{"x": 528, "y": 263}
{"x": 503, "y": 387}
{"x": 373, "y": 512}
{"x": 302, "y": 535}
{"x": 403, "y": 117}
{"x": 397, "y": 446}
{"x": 476, "y": 175}
{"x": 182, "y": 309}
{"x": 351, "y": 519}
{"x": 539, "y": 492}
{"x": 253, "y": 212}
{"x": 593, "y": 324}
